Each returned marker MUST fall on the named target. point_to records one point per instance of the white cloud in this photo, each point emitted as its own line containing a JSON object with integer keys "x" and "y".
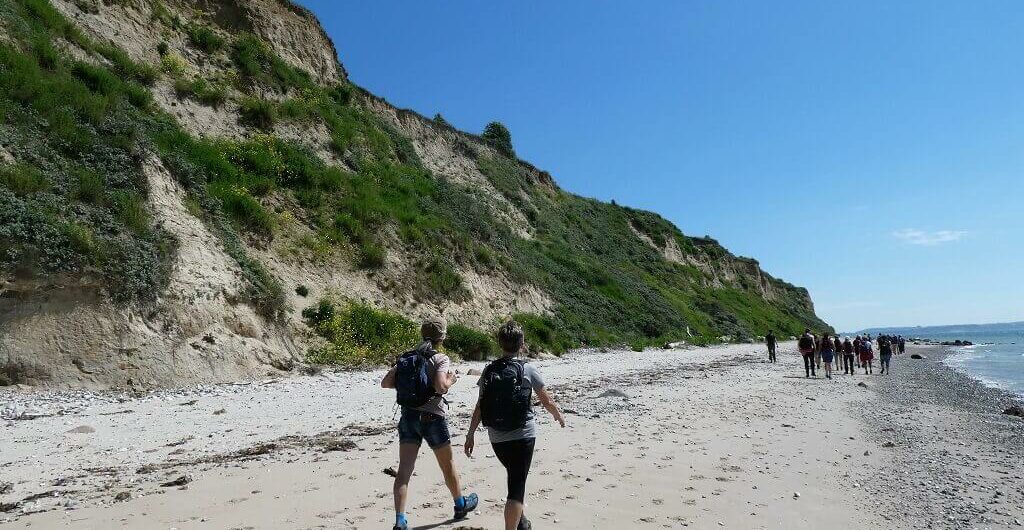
{"x": 914, "y": 236}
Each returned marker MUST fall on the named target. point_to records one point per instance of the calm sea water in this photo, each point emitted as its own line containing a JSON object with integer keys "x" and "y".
{"x": 996, "y": 359}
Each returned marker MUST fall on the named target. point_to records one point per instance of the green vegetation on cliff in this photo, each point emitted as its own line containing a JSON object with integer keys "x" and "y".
{"x": 74, "y": 202}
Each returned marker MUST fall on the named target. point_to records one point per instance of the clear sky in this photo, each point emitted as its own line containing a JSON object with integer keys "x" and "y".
{"x": 872, "y": 151}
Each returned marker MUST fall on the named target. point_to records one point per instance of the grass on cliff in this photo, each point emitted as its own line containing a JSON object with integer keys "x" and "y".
{"x": 608, "y": 285}
{"x": 209, "y": 93}
{"x": 75, "y": 201}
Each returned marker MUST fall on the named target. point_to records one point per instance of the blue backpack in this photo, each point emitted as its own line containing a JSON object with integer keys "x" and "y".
{"x": 413, "y": 378}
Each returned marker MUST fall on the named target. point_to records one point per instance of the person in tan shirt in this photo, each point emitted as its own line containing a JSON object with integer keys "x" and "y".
{"x": 428, "y": 422}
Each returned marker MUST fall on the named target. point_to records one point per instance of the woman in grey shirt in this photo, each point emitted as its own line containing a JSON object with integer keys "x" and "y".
{"x": 505, "y": 407}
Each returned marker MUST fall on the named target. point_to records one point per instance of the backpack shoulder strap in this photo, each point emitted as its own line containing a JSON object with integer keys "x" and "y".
{"x": 520, "y": 371}
{"x": 487, "y": 371}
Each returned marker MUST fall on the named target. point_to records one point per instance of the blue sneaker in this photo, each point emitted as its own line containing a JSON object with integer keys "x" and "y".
{"x": 469, "y": 503}
{"x": 401, "y": 524}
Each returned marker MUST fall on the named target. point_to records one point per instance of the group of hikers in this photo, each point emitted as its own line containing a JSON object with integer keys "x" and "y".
{"x": 829, "y": 348}
{"x": 422, "y": 377}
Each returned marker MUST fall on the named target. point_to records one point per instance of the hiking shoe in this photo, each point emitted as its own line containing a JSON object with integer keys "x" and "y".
{"x": 469, "y": 503}
{"x": 403, "y": 526}
{"x": 524, "y": 523}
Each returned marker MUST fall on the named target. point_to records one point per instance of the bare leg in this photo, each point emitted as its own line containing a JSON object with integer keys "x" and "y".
{"x": 406, "y": 464}
{"x": 513, "y": 512}
{"x": 447, "y": 463}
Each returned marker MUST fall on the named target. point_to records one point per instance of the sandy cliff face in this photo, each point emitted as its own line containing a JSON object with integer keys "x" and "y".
{"x": 62, "y": 330}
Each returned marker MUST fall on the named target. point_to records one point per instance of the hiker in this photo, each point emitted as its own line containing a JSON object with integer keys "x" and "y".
{"x": 817, "y": 351}
{"x": 848, "y": 349}
{"x": 885, "y": 353}
{"x": 866, "y": 355}
{"x": 827, "y": 352}
{"x": 505, "y": 408}
{"x": 838, "y": 347}
{"x": 421, "y": 378}
{"x": 901, "y": 344}
{"x": 772, "y": 343}
{"x": 806, "y": 347}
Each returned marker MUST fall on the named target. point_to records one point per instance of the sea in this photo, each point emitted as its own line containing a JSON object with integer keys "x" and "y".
{"x": 996, "y": 357}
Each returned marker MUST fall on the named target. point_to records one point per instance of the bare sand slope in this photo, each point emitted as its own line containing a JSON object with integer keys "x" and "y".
{"x": 701, "y": 438}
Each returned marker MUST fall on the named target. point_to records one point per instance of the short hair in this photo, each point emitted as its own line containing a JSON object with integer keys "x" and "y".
{"x": 511, "y": 337}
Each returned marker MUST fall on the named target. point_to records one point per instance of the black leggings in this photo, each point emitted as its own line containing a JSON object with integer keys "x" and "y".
{"x": 809, "y": 363}
{"x": 848, "y": 363}
{"x": 516, "y": 456}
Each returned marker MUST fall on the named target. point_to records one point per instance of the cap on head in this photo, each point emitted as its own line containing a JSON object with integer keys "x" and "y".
{"x": 511, "y": 337}
{"x": 434, "y": 329}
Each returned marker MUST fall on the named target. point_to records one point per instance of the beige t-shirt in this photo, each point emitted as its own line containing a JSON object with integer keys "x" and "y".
{"x": 440, "y": 364}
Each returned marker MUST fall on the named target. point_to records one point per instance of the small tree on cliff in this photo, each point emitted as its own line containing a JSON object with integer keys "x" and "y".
{"x": 497, "y": 135}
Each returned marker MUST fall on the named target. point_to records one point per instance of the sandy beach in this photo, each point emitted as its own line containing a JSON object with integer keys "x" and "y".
{"x": 699, "y": 438}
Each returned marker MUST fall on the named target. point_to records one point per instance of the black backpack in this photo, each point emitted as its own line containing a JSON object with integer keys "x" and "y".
{"x": 505, "y": 398}
{"x": 806, "y": 343}
{"x": 413, "y": 379}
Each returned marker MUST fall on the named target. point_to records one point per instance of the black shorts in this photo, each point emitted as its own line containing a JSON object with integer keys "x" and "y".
{"x": 516, "y": 456}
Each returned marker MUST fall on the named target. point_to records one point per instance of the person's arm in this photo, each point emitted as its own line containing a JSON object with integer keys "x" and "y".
{"x": 388, "y": 381}
{"x": 445, "y": 377}
{"x": 549, "y": 403}
{"x": 471, "y": 433}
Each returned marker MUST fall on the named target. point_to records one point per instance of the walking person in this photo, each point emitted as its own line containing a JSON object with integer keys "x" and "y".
{"x": 505, "y": 408}
{"x": 827, "y": 352}
{"x": 772, "y": 343}
{"x": 806, "y": 347}
{"x": 885, "y": 354}
{"x": 421, "y": 378}
{"x": 848, "y": 362}
{"x": 817, "y": 351}
{"x": 901, "y": 344}
{"x": 867, "y": 356}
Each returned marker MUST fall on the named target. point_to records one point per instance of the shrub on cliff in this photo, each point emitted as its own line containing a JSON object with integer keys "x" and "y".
{"x": 258, "y": 113}
{"x": 359, "y": 333}
{"x": 204, "y": 38}
{"x": 469, "y": 343}
{"x": 257, "y": 63}
{"x": 498, "y": 136}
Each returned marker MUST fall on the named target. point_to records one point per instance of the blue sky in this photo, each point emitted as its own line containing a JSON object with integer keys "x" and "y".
{"x": 870, "y": 151}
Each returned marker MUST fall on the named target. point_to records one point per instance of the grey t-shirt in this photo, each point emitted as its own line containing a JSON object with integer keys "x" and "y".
{"x": 530, "y": 377}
